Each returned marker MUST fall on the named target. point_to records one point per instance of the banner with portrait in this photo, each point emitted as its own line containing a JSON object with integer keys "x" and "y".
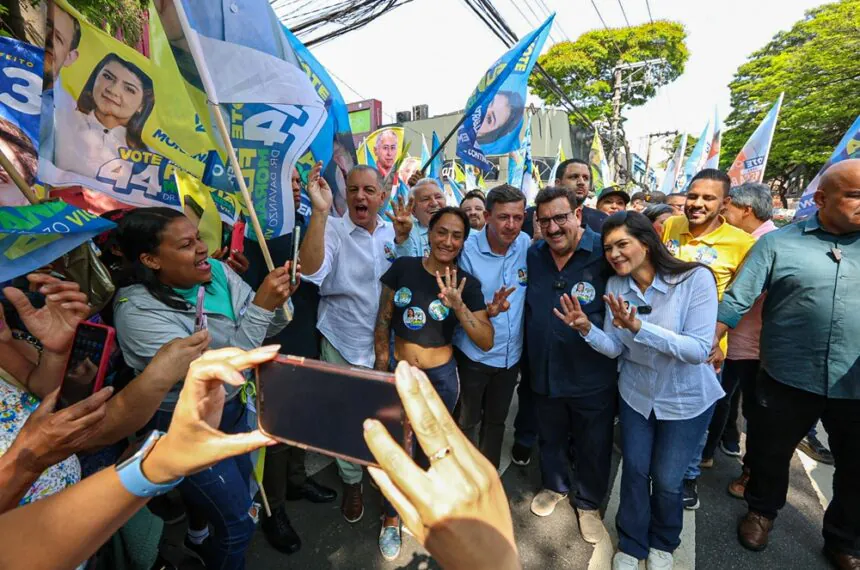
{"x": 381, "y": 149}
{"x": 751, "y": 162}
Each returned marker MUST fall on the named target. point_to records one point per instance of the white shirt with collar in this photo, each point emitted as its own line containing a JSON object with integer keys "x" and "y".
{"x": 349, "y": 285}
{"x": 663, "y": 368}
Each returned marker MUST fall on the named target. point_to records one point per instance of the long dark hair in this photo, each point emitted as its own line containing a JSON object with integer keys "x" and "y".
{"x": 514, "y": 120}
{"x": 134, "y": 128}
{"x": 639, "y": 226}
{"x": 138, "y": 233}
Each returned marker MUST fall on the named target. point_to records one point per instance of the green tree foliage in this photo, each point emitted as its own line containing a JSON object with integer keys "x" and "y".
{"x": 583, "y": 68}
{"x": 671, "y": 145}
{"x": 815, "y": 64}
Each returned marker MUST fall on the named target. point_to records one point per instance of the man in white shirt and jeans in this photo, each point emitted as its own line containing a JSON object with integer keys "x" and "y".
{"x": 346, "y": 257}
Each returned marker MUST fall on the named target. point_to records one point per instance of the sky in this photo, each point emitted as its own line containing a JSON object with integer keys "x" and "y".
{"x": 434, "y": 52}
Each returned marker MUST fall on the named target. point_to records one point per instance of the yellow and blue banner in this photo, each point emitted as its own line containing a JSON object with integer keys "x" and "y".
{"x": 601, "y": 175}
{"x": 36, "y": 235}
{"x": 496, "y": 107}
{"x": 751, "y": 161}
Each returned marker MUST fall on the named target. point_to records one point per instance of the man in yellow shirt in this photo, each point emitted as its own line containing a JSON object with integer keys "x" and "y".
{"x": 703, "y": 235}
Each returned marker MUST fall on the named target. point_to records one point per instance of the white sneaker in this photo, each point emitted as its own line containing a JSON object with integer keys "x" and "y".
{"x": 545, "y": 501}
{"x": 623, "y": 561}
{"x": 660, "y": 560}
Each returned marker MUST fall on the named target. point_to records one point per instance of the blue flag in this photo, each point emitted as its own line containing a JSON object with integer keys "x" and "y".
{"x": 436, "y": 165}
{"x": 20, "y": 109}
{"x": 494, "y": 111}
{"x": 34, "y": 236}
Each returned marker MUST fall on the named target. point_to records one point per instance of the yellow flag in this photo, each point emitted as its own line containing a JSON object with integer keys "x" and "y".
{"x": 200, "y": 208}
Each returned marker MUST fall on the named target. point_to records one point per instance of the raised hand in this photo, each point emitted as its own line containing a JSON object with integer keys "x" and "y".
{"x": 170, "y": 364}
{"x": 450, "y": 293}
{"x": 622, "y": 318}
{"x": 573, "y": 315}
{"x": 500, "y": 302}
{"x": 401, "y": 218}
{"x": 234, "y": 258}
{"x": 276, "y": 288}
{"x": 55, "y": 323}
{"x": 319, "y": 191}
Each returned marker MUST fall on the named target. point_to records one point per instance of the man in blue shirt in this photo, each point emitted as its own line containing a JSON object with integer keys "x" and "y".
{"x": 575, "y": 390}
{"x": 487, "y": 379}
{"x": 810, "y": 341}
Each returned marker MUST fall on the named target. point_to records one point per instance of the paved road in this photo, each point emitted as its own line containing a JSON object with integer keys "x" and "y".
{"x": 709, "y": 540}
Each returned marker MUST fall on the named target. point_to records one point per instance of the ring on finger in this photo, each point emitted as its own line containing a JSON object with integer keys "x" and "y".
{"x": 441, "y": 454}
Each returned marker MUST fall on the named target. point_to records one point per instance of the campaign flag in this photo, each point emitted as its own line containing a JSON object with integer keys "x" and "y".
{"x": 200, "y": 208}
{"x": 752, "y": 159}
{"x": 425, "y": 153}
{"x": 559, "y": 158}
{"x": 698, "y": 157}
{"x": 673, "y": 167}
{"x": 600, "y": 173}
{"x": 713, "y": 160}
{"x": 34, "y": 236}
{"x": 496, "y": 107}
{"x": 240, "y": 57}
{"x": 334, "y": 144}
{"x": 436, "y": 165}
{"x": 471, "y": 180}
{"x": 453, "y": 192}
{"x": 848, "y": 147}
{"x": 20, "y": 108}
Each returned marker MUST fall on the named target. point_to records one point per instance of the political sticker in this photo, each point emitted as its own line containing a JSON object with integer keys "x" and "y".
{"x": 584, "y": 292}
{"x": 414, "y": 318}
{"x": 706, "y": 254}
{"x": 438, "y": 310}
{"x": 402, "y": 297}
{"x": 389, "y": 252}
{"x": 522, "y": 276}
{"x": 674, "y": 246}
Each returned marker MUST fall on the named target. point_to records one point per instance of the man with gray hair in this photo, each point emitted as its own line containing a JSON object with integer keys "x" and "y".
{"x": 425, "y": 199}
{"x": 385, "y": 149}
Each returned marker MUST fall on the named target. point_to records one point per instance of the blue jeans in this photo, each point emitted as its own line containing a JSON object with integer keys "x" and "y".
{"x": 656, "y": 453}
{"x": 222, "y": 494}
{"x": 693, "y": 469}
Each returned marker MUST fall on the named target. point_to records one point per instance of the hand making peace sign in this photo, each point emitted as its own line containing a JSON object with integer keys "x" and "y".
{"x": 450, "y": 294}
{"x": 500, "y": 302}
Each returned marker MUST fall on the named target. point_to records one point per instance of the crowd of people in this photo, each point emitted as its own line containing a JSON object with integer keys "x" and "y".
{"x": 669, "y": 316}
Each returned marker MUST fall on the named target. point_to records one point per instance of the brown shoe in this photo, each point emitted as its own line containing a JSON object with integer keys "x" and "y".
{"x": 352, "y": 506}
{"x": 753, "y": 531}
{"x": 739, "y": 485}
{"x": 842, "y": 560}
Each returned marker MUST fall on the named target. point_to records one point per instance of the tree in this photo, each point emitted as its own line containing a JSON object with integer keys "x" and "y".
{"x": 584, "y": 68}
{"x": 122, "y": 18}
{"x": 815, "y": 64}
{"x": 671, "y": 145}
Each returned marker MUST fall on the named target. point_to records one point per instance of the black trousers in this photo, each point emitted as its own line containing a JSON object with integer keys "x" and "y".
{"x": 739, "y": 377}
{"x": 485, "y": 398}
{"x": 586, "y": 424}
{"x": 285, "y": 465}
{"x": 782, "y": 417}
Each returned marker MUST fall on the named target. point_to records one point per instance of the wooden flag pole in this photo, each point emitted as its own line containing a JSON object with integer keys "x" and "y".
{"x": 246, "y": 196}
{"x": 17, "y": 178}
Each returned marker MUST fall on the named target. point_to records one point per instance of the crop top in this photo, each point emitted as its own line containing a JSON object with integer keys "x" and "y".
{"x": 419, "y": 315}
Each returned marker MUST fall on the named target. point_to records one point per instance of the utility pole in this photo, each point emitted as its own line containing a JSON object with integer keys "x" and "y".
{"x": 646, "y": 67}
{"x": 648, "y": 153}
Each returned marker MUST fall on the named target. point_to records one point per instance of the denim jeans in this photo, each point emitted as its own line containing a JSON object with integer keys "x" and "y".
{"x": 222, "y": 494}
{"x": 694, "y": 469}
{"x": 656, "y": 454}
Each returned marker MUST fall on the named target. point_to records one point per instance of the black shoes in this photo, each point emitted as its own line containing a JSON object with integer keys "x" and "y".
{"x": 520, "y": 454}
{"x": 311, "y": 491}
{"x": 815, "y": 449}
{"x": 280, "y": 533}
{"x": 691, "y": 494}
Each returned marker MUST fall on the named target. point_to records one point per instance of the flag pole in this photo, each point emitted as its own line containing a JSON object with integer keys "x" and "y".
{"x": 17, "y": 178}
{"x": 435, "y": 153}
{"x": 246, "y": 196}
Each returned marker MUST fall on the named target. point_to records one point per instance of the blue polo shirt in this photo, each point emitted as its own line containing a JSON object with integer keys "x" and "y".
{"x": 497, "y": 271}
{"x": 562, "y": 364}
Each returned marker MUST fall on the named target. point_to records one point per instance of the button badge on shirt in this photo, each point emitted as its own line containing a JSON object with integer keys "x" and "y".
{"x": 388, "y": 248}
{"x": 414, "y": 318}
{"x": 674, "y": 246}
{"x": 706, "y": 254}
{"x": 522, "y": 276}
{"x": 584, "y": 292}
{"x": 402, "y": 297}
{"x": 438, "y": 310}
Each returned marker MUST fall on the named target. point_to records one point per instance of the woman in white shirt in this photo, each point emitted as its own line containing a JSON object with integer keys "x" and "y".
{"x": 660, "y": 323}
{"x": 109, "y": 114}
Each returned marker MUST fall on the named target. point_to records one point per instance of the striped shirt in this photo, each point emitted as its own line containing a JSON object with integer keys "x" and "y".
{"x": 663, "y": 368}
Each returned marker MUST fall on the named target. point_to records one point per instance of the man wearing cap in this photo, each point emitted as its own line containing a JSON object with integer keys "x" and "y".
{"x": 612, "y": 199}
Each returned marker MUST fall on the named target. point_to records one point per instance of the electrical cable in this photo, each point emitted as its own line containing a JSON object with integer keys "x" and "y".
{"x": 648, "y": 5}
{"x": 623, "y": 13}
{"x": 602, "y": 21}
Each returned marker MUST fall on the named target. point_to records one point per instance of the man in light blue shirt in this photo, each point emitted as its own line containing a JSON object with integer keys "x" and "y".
{"x": 497, "y": 255}
{"x": 427, "y": 199}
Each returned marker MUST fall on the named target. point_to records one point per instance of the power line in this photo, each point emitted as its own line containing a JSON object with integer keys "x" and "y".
{"x": 623, "y": 13}
{"x": 602, "y": 21}
{"x": 548, "y": 12}
{"x": 648, "y": 5}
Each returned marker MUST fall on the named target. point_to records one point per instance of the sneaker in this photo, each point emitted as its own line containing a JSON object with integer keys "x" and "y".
{"x": 390, "y": 541}
{"x": 520, "y": 454}
{"x": 691, "y": 494}
{"x": 739, "y": 486}
{"x": 660, "y": 560}
{"x": 590, "y": 525}
{"x": 815, "y": 449}
{"x": 706, "y": 463}
{"x": 623, "y": 561}
{"x": 280, "y": 533}
{"x": 352, "y": 506}
{"x": 731, "y": 448}
{"x": 545, "y": 501}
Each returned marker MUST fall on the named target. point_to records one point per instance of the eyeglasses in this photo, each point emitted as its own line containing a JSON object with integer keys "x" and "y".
{"x": 559, "y": 219}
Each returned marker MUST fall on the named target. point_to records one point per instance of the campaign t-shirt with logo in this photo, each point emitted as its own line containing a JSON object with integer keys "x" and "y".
{"x": 419, "y": 315}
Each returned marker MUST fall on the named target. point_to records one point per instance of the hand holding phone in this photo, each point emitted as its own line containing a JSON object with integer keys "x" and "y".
{"x": 88, "y": 363}
{"x": 297, "y": 238}
{"x": 200, "y": 322}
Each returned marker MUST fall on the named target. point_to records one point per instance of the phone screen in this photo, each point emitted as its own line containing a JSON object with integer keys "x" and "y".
{"x": 83, "y": 375}
{"x": 322, "y": 407}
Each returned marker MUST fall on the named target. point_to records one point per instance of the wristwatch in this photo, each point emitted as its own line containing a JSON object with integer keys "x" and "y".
{"x": 131, "y": 475}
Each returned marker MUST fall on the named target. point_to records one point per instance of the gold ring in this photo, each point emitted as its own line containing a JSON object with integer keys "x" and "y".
{"x": 441, "y": 454}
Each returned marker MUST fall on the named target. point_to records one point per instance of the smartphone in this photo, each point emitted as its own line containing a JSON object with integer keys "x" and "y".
{"x": 321, "y": 406}
{"x": 200, "y": 322}
{"x": 297, "y": 238}
{"x": 237, "y": 237}
{"x": 88, "y": 363}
